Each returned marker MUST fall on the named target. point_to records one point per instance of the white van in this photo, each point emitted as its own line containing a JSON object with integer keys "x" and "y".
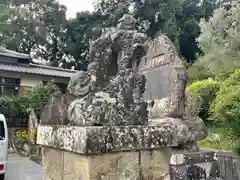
{"x": 3, "y": 146}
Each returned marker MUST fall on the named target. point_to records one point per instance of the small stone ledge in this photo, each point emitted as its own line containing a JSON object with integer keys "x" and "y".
{"x": 102, "y": 139}
{"x": 193, "y": 158}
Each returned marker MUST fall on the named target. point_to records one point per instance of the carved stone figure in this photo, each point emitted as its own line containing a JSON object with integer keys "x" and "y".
{"x": 106, "y": 112}
{"x": 81, "y": 84}
{"x": 126, "y": 71}
{"x": 111, "y": 91}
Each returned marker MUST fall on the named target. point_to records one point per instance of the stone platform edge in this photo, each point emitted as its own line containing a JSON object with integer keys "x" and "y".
{"x": 103, "y": 139}
{"x": 180, "y": 159}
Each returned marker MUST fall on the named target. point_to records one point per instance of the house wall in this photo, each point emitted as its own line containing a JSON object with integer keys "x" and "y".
{"x": 30, "y": 80}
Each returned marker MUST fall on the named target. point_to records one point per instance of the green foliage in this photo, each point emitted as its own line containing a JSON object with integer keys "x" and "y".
{"x": 34, "y": 27}
{"x": 39, "y": 96}
{"x": 226, "y": 107}
{"x": 13, "y": 105}
{"x": 219, "y": 41}
{"x": 236, "y": 148}
{"x": 40, "y": 26}
{"x": 197, "y": 72}
{"x": 80, "y": 30}
{"x": 179, "y": 20}
{"x": 36, "y": 100}
{"x": 200, "y": 96}
{"x": 217, "y": 140}
{"x": 219, "y": 101}
{"x": 227, "y": 98}
{"x": 188, "y": 24}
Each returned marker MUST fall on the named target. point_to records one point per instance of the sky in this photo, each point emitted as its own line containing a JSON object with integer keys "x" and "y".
{"x": 74, "y": 6}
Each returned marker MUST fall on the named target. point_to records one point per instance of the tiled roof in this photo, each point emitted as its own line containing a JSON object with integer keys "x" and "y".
{"x": 37, "y": 69}
{"x": 10, "y": 53}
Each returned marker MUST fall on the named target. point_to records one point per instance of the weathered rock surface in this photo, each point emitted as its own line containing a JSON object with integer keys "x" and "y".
{"x": 55, "y": 112}
{"x": 120, "y": 103}
{"x": 111, "y": 91}
{"x": 33, "y": 120}
{"x": 166, "y": 76}
{"x": 166, "y": 79}
{"x": 81, "y": 84}
{"x": 102, "y": 139}
{"x": 108, "y": 132}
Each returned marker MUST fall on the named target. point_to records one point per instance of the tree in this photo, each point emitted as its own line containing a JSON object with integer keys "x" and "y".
{"x": 200, "y": 95}
{"x": 178, "y": 19}
{"x": 18, "y": 28}
{"x": 226, "y": 107}
{"x": 188, "y": 19}
{"x": 53, "y": 17}
{"x": 220, "y": 41}
{"x": 80, "y": 32}
{"x": 34, "y": 27}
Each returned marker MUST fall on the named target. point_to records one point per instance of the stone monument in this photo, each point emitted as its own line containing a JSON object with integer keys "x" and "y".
{"x": 166, "y": 79}
{"x": 101, "y": 128}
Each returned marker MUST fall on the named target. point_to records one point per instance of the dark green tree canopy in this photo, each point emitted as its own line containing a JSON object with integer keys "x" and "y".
{"x": 40, "y": 27}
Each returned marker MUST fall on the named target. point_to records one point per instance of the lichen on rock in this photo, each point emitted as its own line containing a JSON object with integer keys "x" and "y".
{"x": 126, "y": 71}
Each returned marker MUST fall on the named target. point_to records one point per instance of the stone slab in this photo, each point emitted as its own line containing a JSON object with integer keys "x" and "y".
{"x": 102, "y": 139}
{"x": 75, "y": 167}
{"x": 134, "y": 165}
{"x": 157, "y": 85}
{"x": 193, "y": 158}
{"x": 53, "y": 163}
{"x": 197, "y": 165}
{"x": 113, "y": 166}
{"x": 155, "y": 164}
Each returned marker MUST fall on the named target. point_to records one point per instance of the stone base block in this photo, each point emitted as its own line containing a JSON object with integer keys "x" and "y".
{"x": 104, "y": 139}
{"x": 155, "y": 164}
{"x": 53, "y": 163}
{"x": 133, "y": 165}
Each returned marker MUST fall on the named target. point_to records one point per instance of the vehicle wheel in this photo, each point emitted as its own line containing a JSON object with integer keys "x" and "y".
{"x": 2, "y": 176}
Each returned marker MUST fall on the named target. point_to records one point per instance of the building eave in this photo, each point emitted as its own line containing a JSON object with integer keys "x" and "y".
{"x": 38, "y": 70}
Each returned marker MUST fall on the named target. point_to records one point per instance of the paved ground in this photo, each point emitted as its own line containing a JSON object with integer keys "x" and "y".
{"x": 21, "y": 168}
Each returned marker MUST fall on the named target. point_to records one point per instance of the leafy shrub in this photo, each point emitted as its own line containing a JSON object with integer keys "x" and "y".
{"x": 198, "y": 72}
{"x": 39, "y": 96}
{"x": 22, "y": 106}
{"x": 226, "y": 106}
{"x": 200, "y": 96}
{"x": 13, "y": 105}
{"x": 24, "y": 141}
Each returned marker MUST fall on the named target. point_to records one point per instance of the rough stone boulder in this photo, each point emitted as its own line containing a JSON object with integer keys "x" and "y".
{"x": 166, "y": 86}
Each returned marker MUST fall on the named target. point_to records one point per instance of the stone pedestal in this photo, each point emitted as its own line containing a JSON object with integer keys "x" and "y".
{"x": 109, "y": 152}
{"x": 133, "y": 165}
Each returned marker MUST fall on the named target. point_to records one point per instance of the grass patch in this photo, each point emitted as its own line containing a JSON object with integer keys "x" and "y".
{"x": 217, "y": 139}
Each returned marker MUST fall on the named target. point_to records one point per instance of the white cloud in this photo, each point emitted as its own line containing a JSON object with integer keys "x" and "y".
{"x": 75, "y": 6}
